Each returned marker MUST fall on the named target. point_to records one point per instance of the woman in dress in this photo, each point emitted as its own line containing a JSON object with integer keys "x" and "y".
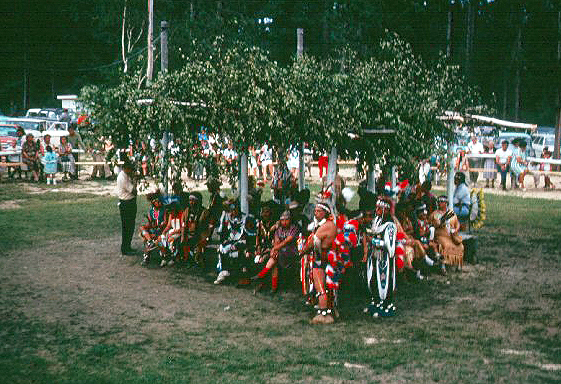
{"x": 489, "y": 174}
{"x": 30, "y": 156}
{"x": 448, "y": 241}
{"x": 462, "y": 164}
{"x": 519, "y": 164}
{"x": 66, "y": 158}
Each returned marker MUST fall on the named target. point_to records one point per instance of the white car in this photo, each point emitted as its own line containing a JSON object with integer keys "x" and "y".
{"x": 541, "y": 141}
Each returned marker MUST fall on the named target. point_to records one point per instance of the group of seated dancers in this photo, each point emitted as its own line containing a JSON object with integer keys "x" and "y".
{"x": 405, "y": 232}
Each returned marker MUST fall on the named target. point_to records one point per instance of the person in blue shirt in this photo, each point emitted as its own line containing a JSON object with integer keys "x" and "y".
{"x": 462, "y": 198}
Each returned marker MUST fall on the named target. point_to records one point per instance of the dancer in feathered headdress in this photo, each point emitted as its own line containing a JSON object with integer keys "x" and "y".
{"x": 320, "y": 242}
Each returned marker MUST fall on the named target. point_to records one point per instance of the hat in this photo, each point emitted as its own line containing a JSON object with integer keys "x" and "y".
{"x": 323, "y": 200}
{"x": 196, "y": 196}
{"x": 213, "y": 183}
{"x": 421, "y": 208}
{"x": 383, "y": 203}
{"x": 285, "y": 215}
{"x": 127, "y": 163}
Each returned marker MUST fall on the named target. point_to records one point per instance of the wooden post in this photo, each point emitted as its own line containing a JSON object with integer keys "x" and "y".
{"x": 450, "y": 178}
{"x": 244, "y": 206}
{"x": 331, "y": 172}
{"x": 371, "y": 177}
{"x": 164, "y": 67}
{"x": 301, "y": 165}
{"x": 150, "y": 65}
{"x": 164, "y": 46}
{"x": 557, "y": 135}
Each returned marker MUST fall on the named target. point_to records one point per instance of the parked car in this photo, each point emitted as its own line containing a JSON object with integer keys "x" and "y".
{"x": 509, "y": 136}
{"x": 541, "y": 141}
{"x": 27, "y": 123}
{"x": 8, "y": 136}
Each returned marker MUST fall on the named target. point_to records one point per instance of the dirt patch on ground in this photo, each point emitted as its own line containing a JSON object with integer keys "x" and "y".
{"x": 10, "y": 204}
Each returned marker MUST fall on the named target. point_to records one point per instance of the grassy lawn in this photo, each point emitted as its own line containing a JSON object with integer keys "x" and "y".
{"x": 101, "y": 318}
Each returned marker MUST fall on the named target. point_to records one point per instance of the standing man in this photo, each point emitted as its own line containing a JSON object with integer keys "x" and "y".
{"x": 126, "y": 191}
{"x": 474, "y": 147}
{"x": 75, "y": 140}
{"x": 319, "y": 243}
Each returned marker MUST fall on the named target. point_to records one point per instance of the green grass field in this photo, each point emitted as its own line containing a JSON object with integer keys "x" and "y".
{"x": 74, "y": 311}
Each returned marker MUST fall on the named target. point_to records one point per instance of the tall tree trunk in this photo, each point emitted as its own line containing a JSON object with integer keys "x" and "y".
{"x": 505, "y": 93}
{"x": 325, "y": 27}
{"x": 518, "y": 71}
{"x": 123, "y": 50}
{"x": 556, "y": 149}
{"x": 449, "y": 31}
{"x": 470, "y": 34}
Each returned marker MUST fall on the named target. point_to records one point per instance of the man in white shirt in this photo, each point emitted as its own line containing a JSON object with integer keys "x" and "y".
{"x": 503, "y": 156}
{"x": 475, "y": 147}
{"x": 126, "y": 192}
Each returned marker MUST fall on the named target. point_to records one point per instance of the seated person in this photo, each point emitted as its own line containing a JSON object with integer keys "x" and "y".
{"x": 153, "y": 227}
{"x": 424, "y": 233}
{"x": 232, "y": 241}
{"x": 210, "y": 218}
{"x": 448, "y": 241}
{"x": 462, "y": 199}
{"x": 283, "y": 253}
{"x": 192, "y": 225}
{"x": 30, "y": 156}
{"x": 170, "y": 239}
{"x": 413, "y": 249}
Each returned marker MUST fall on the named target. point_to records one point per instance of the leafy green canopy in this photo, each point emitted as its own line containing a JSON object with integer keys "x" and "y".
{"x": 236, "y": 91}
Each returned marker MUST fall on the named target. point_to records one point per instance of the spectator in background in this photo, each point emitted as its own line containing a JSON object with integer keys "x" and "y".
{"x": 66, "y": 158}
{"x": 65, "y": 117}
{"x": 323, "y": 163}
{"x": 75, "y": 140}
{"x": 30, "y": 156}
{"x": 546, "y": 168}
{"x": 266, "y": 158}
{"x": 50, "y": 161}
{"x": 474, "y": 148}
{"x": 462, "y": 164}
{"x": 293, "y": 162}
{"x": 503, "y": 157}
{"x": 47, "y": 143}
{"x": 126, "y": 192}
{"x": 489, "y": 165}
{"x": 20, "y": 133}
{"x": 462, "y": 198}
{"x": 252, "y": 159}
{"x": 519, "y": 164}
{"x": 16, "y": 158}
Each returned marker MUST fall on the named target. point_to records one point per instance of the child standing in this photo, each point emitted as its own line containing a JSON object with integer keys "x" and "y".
{"x": 50, "y": 160}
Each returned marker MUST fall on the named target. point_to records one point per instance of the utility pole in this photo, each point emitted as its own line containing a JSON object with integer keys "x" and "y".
{"x": 558, "y": 125}
{"x": 301, "y": 169}
{"x": 164, "y": 46}
{"x": 150, "y": 65}
{"x": 164, "y": 70}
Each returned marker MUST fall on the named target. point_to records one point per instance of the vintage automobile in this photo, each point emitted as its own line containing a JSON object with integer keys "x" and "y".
{"x": 8, "y": 136}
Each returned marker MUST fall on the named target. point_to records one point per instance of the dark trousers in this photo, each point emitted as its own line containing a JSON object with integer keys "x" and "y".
{"x": 127, "y": 209}
{"x": 503, "y": 174}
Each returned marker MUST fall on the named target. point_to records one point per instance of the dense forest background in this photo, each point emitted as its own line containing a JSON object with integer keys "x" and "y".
{"x": 510, "y": 49}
